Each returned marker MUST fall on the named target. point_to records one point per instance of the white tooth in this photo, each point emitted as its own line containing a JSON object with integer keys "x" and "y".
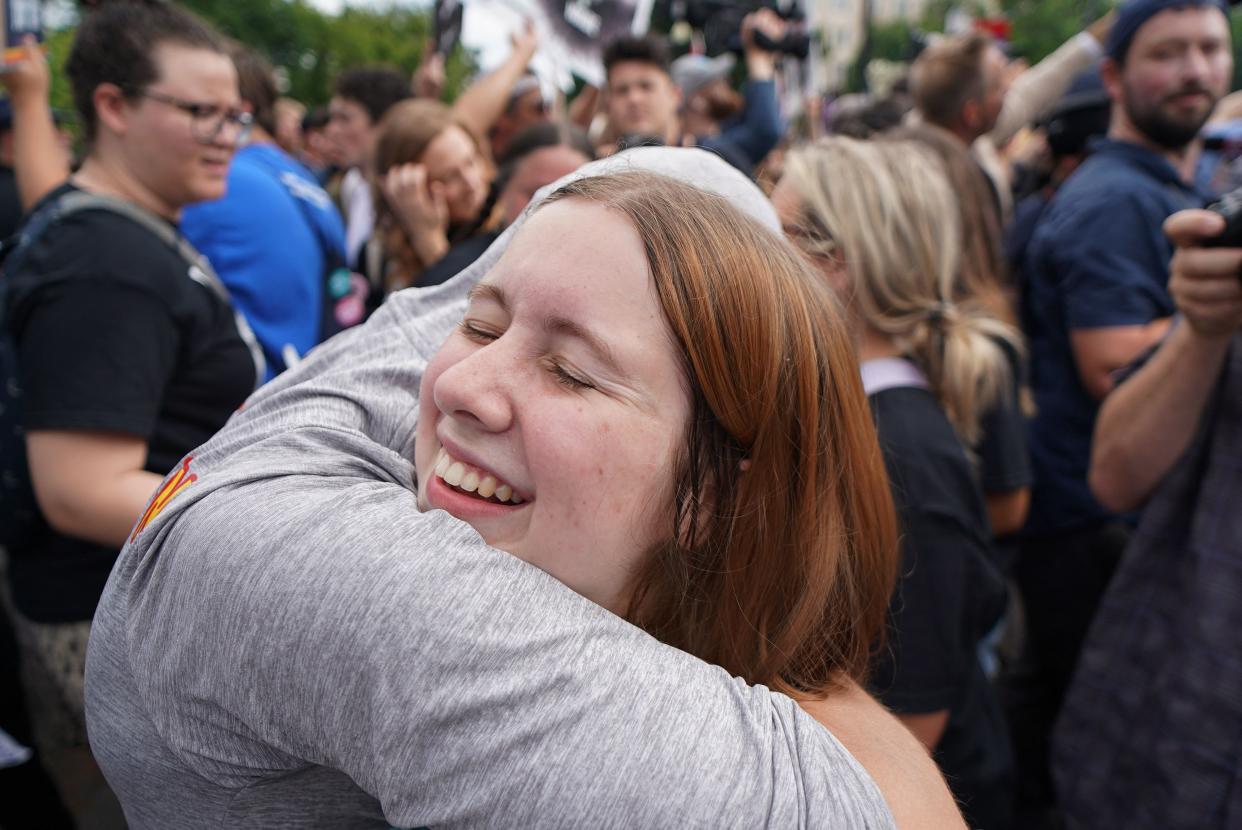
{"x": 487, "y": 486}
{"x": 454, "y": 473}
{"x": 516, "y": 499}
{"x": 471, "y": 482}
{"x": 442, "y": 464}
{"x": 503, "y": 492}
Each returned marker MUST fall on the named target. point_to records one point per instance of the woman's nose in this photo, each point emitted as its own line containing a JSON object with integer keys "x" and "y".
{"x": 478, "y": 388}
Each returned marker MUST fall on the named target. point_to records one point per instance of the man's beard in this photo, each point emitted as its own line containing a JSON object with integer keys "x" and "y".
{"x": 1160, "y": 128}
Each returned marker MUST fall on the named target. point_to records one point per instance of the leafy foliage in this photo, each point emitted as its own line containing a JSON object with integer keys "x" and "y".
{"x": 308, "y": 47}
{"x": 1040, "y": 26}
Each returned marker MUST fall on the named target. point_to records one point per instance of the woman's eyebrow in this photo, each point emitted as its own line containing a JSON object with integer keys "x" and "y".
{"x": 485, "y": 291}
{"x": 557, "y": 325}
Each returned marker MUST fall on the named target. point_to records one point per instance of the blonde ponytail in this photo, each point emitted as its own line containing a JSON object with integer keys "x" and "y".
{"x": 893, "y": 220}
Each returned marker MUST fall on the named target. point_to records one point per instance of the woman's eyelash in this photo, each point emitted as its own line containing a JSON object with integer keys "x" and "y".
{"x": 473, "y": 332}
{"x": 566, "y": 379}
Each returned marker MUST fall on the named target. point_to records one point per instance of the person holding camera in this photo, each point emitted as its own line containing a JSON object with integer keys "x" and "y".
{"x": 1096, "y": 278}
{"x": 652, "y": 100}
{"x": 1148, "y": 737}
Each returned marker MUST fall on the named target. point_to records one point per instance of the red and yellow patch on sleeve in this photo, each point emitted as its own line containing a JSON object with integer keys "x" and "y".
{"x": 173, "y": 485}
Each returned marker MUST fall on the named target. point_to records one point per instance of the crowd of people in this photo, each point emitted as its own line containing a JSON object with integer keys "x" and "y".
{"x": 645, "y": 458}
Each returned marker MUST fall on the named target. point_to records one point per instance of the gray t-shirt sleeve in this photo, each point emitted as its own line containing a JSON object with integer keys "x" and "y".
{"x": 292, "y": 607}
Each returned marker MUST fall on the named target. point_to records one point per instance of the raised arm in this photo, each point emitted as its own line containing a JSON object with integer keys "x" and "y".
{"x": 484, "y": 101}
{"x": 38, "y": 159}
{"x": 1036, "y": 90}
{"x": 1146, "y": 425}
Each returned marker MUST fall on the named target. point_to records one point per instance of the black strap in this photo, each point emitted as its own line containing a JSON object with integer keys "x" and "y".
{"x": 200, "y": 269}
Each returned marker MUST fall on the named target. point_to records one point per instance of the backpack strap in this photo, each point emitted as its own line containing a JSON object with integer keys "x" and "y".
{"x": 891, "y": 373}
{"x": 200, "y": 269}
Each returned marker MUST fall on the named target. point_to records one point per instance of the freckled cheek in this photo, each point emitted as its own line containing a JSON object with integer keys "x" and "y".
{"x": 428, "y": 411}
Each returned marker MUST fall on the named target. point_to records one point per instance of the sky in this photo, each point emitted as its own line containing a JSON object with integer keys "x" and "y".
{"x": 334, "y": 6}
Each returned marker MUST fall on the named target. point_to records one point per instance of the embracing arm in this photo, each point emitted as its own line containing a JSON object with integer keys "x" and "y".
{"x": 481, "y": 691}
{"x": 1147, "y": 424}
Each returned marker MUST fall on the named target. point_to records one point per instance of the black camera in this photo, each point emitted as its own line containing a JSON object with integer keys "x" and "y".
{"x": 1230, "y": 207}
{"x": 721, "y": 24}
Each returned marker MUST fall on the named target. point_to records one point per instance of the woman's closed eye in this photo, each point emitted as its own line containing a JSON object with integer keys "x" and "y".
{"x": 478, "y": 332}
{"x": 567, "y": 378}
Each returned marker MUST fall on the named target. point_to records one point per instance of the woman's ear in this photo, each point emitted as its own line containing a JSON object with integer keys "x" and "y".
{"x": 743, "y": 465}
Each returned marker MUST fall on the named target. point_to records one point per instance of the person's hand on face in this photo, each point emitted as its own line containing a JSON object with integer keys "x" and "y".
{"x": 1206, "y": 283}
{"x": 420, "y": 206}
{"x": 28, "y": 80}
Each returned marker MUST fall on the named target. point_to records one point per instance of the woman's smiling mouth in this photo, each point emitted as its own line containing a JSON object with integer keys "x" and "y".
{"x": 480, "y": 484}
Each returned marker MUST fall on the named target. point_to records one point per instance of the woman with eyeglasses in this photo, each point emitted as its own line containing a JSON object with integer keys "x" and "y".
{"x": 879, "y": 222}
{"x": 128, "y": 353}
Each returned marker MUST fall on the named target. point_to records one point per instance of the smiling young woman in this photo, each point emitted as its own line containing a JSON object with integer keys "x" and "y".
{"x": 653, "y": 399}
{"x": 650, "y": 377}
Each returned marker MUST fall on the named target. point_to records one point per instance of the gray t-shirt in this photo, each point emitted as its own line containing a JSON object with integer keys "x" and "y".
{"x": 290, "y": 643}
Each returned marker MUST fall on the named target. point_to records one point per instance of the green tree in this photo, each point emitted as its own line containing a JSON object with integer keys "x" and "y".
{"x": 889, "y": 41}
{"x": 312, "y": 47}
{"x": 307, "y": 46}
{"x": 1040, "y": 26}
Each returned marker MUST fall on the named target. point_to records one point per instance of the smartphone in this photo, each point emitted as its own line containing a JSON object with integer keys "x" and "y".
{"x": 19, "y": 18}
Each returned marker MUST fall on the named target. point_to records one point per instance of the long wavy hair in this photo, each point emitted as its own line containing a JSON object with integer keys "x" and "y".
{"x": 782, "y": 552}
{"x": 887, "y": 210}
{"x": 402, "y": 137}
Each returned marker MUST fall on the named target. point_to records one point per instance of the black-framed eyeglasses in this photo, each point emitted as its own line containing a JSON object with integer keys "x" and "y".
{"x": 207, "y": 121}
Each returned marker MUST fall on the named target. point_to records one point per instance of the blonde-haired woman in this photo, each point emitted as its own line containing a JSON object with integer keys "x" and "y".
{"x": 880, "y": 223}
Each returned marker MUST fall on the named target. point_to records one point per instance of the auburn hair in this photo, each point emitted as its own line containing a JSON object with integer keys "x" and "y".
{"x": 782, "y": 552}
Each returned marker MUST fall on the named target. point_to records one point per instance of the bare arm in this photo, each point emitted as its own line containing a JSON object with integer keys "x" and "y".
{"x": 927, "y": 727}
{"x": 90, "y": 485}
{"x": 1099, "y": 353}
{"x": 1041, "y": 86}
{"x": 901, "y": 767}
{"x": 583, "y": 108}
{"x": 1007, "y": 510}
{"x": 38, "y": 159}
{"x": 1147, "y": 424}
{"x": 482, "y": 104}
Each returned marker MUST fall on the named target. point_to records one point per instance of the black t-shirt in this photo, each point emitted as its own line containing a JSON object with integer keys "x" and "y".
{"x": 459, "y": 258}
{"x": 948, "y": 596}
{"x": 112, "y": 334}
{"x": 1004, "y": 460}
{"x": 10, "y": 203}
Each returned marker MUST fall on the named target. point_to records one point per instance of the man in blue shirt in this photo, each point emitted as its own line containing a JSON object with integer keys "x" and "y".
{"x": 272, "y": 237}
{"x": 1097, "y": 268}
